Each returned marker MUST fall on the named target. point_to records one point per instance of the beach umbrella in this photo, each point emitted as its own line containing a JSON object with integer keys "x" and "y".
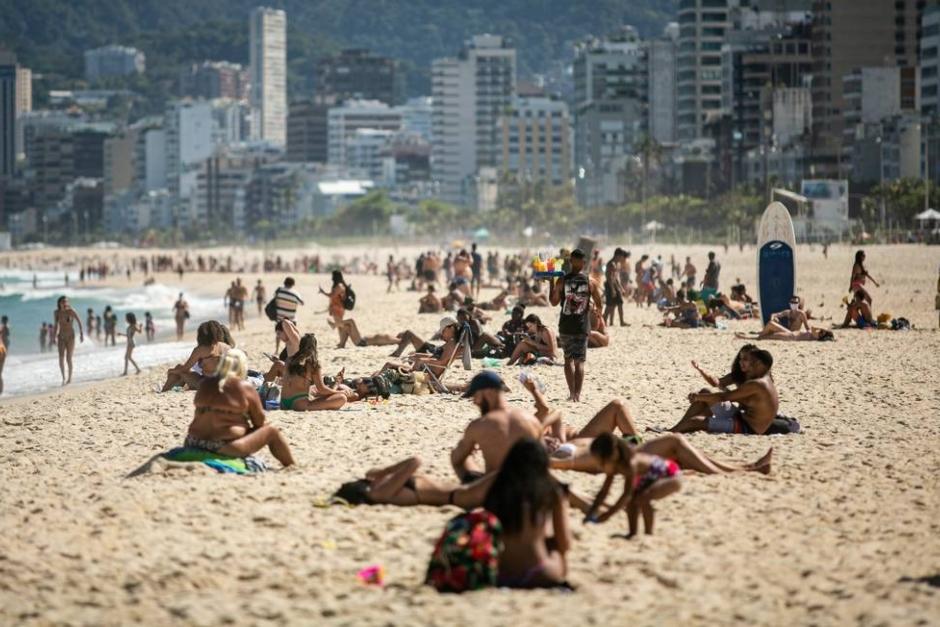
{"x": 457, "y": 243}
{"x": 653, "y": 225}
{"x": 929, "y": 214}
{"x": 481, "y": 233}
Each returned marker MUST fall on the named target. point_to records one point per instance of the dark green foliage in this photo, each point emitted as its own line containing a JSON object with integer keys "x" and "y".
{"x": 50, "y": 35}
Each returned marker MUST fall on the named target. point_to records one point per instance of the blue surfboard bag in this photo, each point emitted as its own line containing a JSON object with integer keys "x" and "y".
{"x": 777, "y": 278}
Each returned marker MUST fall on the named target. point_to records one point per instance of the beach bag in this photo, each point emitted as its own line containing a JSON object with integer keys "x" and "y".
{"x": 270, "y": 310}
{"x": 349, "y": 301}
{"x": 466, "y": 557}
{"x": 900, "y": 324}
{"x": 783, "y": 425}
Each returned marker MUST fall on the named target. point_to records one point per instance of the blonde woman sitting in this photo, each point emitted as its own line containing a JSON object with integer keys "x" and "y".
{"x": 229, "y": 417}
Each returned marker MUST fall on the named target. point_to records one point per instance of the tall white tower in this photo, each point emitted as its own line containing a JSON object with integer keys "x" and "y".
{"x": 269, "y": 75}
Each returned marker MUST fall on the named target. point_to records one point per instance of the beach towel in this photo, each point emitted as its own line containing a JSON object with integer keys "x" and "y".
{"x": 182, "y": 456}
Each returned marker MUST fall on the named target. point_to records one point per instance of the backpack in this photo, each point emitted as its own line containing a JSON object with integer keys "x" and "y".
{"x": 270, "y": 310}
{"x": 466, "y": 557}
{"x": 901, "y": 324}
{"x": 349, "y": 301}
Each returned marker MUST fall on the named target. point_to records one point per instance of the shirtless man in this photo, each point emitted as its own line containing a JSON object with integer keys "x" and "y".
{"x": 689, "y": 272}
{"x": 749, "y": 409}
{"x": 180, "y": 314}
{"x": 495, "y": 431}
{"x": 237, "y": 300}
{"x": 260, "y": 295}
{"x": 793, "y": 319}
{"x": 63, "y": 318}
{"x": 430, "y": 303}
{"x": 463, "y": 273}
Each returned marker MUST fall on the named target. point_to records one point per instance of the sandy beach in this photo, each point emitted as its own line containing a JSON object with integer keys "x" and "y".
{"x": 843, "y": 531}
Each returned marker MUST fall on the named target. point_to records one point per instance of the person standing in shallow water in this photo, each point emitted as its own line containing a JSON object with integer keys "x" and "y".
{"x": 180, "y": 314}
{"x": 575, "y": 292}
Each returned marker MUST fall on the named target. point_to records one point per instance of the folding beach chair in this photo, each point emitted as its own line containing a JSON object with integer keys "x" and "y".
{"x": 434, "y": 380}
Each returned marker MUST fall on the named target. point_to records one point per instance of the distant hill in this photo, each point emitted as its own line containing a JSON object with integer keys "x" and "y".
{"x": 50, "y": 35}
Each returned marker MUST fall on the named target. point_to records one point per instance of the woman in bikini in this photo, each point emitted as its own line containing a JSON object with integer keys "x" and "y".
{"x": 541, "y": 341}
{"x": 132, "y": 329}
{"x": 598, "y": 337}
{"x": 435, "y": 358}
{"x": 528, "y": 501}
{"x": 646, "y": 478}
{"x": 63, "y": 317}
{"x": 3, "y": 358}
{"x": 212, "y": 341}
{"x": 229, "y": 418}
{"x": 859, "y": 274}
{"x": 347, "y": 329}
{"x": 399, "y": 484}
{"x": 302, "y": 387}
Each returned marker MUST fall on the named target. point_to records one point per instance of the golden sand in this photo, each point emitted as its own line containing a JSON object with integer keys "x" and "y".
{"x": 839, "y": 533}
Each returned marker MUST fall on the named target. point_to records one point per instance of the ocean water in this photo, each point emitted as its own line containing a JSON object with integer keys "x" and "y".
{"x": 28, "y": 370}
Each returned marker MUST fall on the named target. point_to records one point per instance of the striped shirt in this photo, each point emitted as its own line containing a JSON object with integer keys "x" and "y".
{"x": 287, "y": 302}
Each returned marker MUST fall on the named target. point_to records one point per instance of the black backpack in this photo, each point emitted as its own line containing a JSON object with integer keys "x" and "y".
{"x": 349, "y": 302}
{"x": 270, "y": 310}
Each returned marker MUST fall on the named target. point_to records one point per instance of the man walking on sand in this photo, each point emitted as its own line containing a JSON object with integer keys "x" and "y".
{"x": 574, "y": 292}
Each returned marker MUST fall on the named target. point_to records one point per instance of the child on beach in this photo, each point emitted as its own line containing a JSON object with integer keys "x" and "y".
{"x": 149, "y": 327}
{"x": 646, "y": 478}
{"x": 132, "y": 329}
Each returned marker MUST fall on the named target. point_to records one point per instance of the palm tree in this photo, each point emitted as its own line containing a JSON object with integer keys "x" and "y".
{"x": 651, "y": 150}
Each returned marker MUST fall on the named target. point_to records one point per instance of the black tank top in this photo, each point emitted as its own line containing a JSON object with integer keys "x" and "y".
{"x": 575, "y": 305}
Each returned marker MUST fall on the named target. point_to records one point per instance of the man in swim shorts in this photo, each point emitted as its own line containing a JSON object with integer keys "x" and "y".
{"x": 749, "y": 409}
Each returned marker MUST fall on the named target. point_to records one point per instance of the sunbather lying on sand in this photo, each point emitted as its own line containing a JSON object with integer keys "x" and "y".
{"x": 399, "y": 484}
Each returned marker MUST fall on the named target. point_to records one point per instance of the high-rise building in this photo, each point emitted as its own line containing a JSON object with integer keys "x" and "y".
{"x": 416, "y": 116}
{"x": 215, "y": 79}
{"x": 189, "y": 142}
{"x": 536, "y": 141}
{"x": 365, "y": 153}
{"x": 8, "y": 125}
{"x": 755, "y": 64}
{"x": 344, "y": 121}
{"x": 610, "y": 100}
{"x": 876, "y": 98}
{"x": 120, "y": 154}
{"x": 470, "y": 93}
{"x": 113, "y": 60}
{"x": 849, "y": 34}
{"x": 662, "y": 86}
{"x": 268, "y": 54}
{"x": 930, "y": 61}
{"x": 702, "y": 28}
{"x": 24, "y": 104}
{"x": 307, "y": 132}
{"x": 358, "y": 74}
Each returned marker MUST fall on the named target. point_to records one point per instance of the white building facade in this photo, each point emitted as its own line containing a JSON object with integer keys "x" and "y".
{"x": 268, "y": 54}
{"x": 469, "y": 94}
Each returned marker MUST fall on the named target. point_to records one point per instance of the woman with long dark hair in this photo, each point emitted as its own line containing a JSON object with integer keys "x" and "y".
{"x": 859, "y": 274}
{"x": 302, "y": 387}
{"x": 526, "y": 499}
{"x": 64, "y": 333}
{"x": 212, "y": 341}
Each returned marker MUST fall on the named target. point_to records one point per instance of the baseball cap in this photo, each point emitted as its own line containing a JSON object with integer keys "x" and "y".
{"x": 485, "y": 380}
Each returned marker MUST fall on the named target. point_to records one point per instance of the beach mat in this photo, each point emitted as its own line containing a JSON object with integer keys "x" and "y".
{"x": 184, "y": 457}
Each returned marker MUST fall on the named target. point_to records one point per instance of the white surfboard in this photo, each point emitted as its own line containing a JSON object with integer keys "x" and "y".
{"x": 776, "y": 260}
